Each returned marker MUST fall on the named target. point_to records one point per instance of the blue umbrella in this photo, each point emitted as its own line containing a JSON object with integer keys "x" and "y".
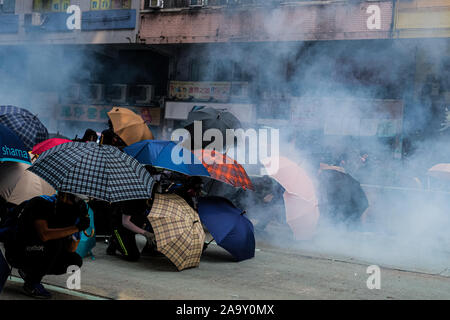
{"x": 228, "y": 225}
{"x": 11, "y": 147}
{"x": 158, "y": 153}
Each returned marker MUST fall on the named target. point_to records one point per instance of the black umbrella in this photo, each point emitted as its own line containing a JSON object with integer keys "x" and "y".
{"x": 25, "y": 124}
{"x": 211, "y": 118}
{"x": 57, "y": 135}
{"x": 341, "y": 198}
{"x": 98, "y": 171}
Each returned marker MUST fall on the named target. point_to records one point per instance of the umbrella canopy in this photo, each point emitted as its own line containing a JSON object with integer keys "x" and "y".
{"x": 342, "y": 198}
{"x": 57, "y": 135}
{"x": 129, "y": 126}
{"x": 211, "y": 118}
{"x": 158, "y": 153}
{"x": 48, "y": 144}
{"x": 224, "y": 168}
{"x": 228, "y": 225}
{"x": 98, "y": 171}
{"x": 178, "y": 231}
{"x": 22, "y": 184}
{"x": 300, "y": 201}
{"x": 25, "y": 124}
{"x": 12, "y": 148}
{"x": 441, "y": 170}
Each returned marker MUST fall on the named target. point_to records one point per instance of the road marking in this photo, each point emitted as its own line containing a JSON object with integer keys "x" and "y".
{"x": 74, "y": 293}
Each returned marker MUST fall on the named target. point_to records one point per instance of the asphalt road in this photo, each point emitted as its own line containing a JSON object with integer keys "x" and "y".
{"x": 273, "y": 274}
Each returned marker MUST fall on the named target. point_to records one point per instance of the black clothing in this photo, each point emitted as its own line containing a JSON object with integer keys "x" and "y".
{"x": 123, "y": 239}
{"x": 255, "y": 206}
{"x": 36, "y": 257}
{"x": 341, "y": 198}
{"x": 51, "y": 258}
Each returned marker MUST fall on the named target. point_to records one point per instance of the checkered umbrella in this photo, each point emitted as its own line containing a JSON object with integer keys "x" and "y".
{"x": 97, "y": 171}
{"x": 178, "y": 231}
{"x": 223, "y": 168}
{"x": 25, "y": 124}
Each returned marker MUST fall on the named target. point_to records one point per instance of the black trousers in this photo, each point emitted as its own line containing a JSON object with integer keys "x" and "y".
{"x": 38, "y": 261}
{"x": 124, "y": 240}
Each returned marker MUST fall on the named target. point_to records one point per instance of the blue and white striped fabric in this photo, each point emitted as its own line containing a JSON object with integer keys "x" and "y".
{"x": 98, "y": 171}
{"x": 25, "y": 124}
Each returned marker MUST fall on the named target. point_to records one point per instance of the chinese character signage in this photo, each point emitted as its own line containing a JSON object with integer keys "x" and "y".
{"x": 200, "y": 91}
{"x": 72, "y": 112}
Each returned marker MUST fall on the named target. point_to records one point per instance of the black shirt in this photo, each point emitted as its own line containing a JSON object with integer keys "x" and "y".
{"x": 137, "y": 209}
{"x": 57, "y": 215}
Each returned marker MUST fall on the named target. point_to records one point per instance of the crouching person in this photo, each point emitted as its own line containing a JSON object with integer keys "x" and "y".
{"x": 45, "y": 242}
{"x": 132, "y": 232}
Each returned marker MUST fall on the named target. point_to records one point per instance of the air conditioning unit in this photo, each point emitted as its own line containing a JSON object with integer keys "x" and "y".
{"x": 73, "y": 94}
{"x": 37, "y": 19}
{"x": 117, "y": 93}
{"x": 93, "y": 93}
{"x": 198, "y": 3}
{"x": 154, "y": 4}
{"x": 233, "y": 2}
{"x": 239, "y": 90}
{"x": 142, "y": 93}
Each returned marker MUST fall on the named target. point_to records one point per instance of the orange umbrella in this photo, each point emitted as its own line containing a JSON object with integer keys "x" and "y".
{"x": 129, "y": 126}
{"x": 301, "y": 204}
{"x": 223, "y": 168}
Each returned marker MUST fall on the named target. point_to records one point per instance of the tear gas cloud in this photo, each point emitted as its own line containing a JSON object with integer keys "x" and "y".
{"x": 406, "y": 225}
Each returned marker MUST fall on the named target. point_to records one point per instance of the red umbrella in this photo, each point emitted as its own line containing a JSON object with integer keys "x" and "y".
{"x": 48, "y": 144}
{"x": 223, "y": 168}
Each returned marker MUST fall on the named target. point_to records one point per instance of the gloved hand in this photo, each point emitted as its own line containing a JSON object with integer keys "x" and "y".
{"x": 151, "y": 240}
{"x": 83, "y": 222}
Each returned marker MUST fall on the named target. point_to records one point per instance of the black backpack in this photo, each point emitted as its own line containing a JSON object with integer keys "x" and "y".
{"x": 10, "y": 221}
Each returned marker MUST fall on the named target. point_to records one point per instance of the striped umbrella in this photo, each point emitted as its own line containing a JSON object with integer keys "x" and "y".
{"x": 97, "y": 171}
{"x": 224, "y": 168}
{"x": 25, "y": 124}
{"x": 178, "y": 231}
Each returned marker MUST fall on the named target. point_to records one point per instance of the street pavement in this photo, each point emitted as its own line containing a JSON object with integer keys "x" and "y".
{"x": 273, "y": 274}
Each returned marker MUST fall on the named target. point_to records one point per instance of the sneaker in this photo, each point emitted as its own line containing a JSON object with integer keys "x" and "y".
{"x": 205, "y": 246}
{"x": 36, "y": 290}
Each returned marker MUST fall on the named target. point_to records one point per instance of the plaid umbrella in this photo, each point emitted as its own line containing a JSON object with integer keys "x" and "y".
{"x": 178, "y": 230}
{"x": 224, "y": 168}
{"x": 25, "y": 124}
{"x": 97, "y": 171}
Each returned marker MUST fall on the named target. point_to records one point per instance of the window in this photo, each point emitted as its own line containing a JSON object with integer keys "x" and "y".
{"x": 110, "y": 4}
{"x": 50, "y": 5}
{"x": 7, "y": 6}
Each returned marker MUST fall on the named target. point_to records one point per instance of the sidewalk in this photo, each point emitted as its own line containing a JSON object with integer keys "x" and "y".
{"x": 272, "y": 274}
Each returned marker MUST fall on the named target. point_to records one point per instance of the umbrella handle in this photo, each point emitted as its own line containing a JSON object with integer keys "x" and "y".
{"x": 90, "y": 235}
